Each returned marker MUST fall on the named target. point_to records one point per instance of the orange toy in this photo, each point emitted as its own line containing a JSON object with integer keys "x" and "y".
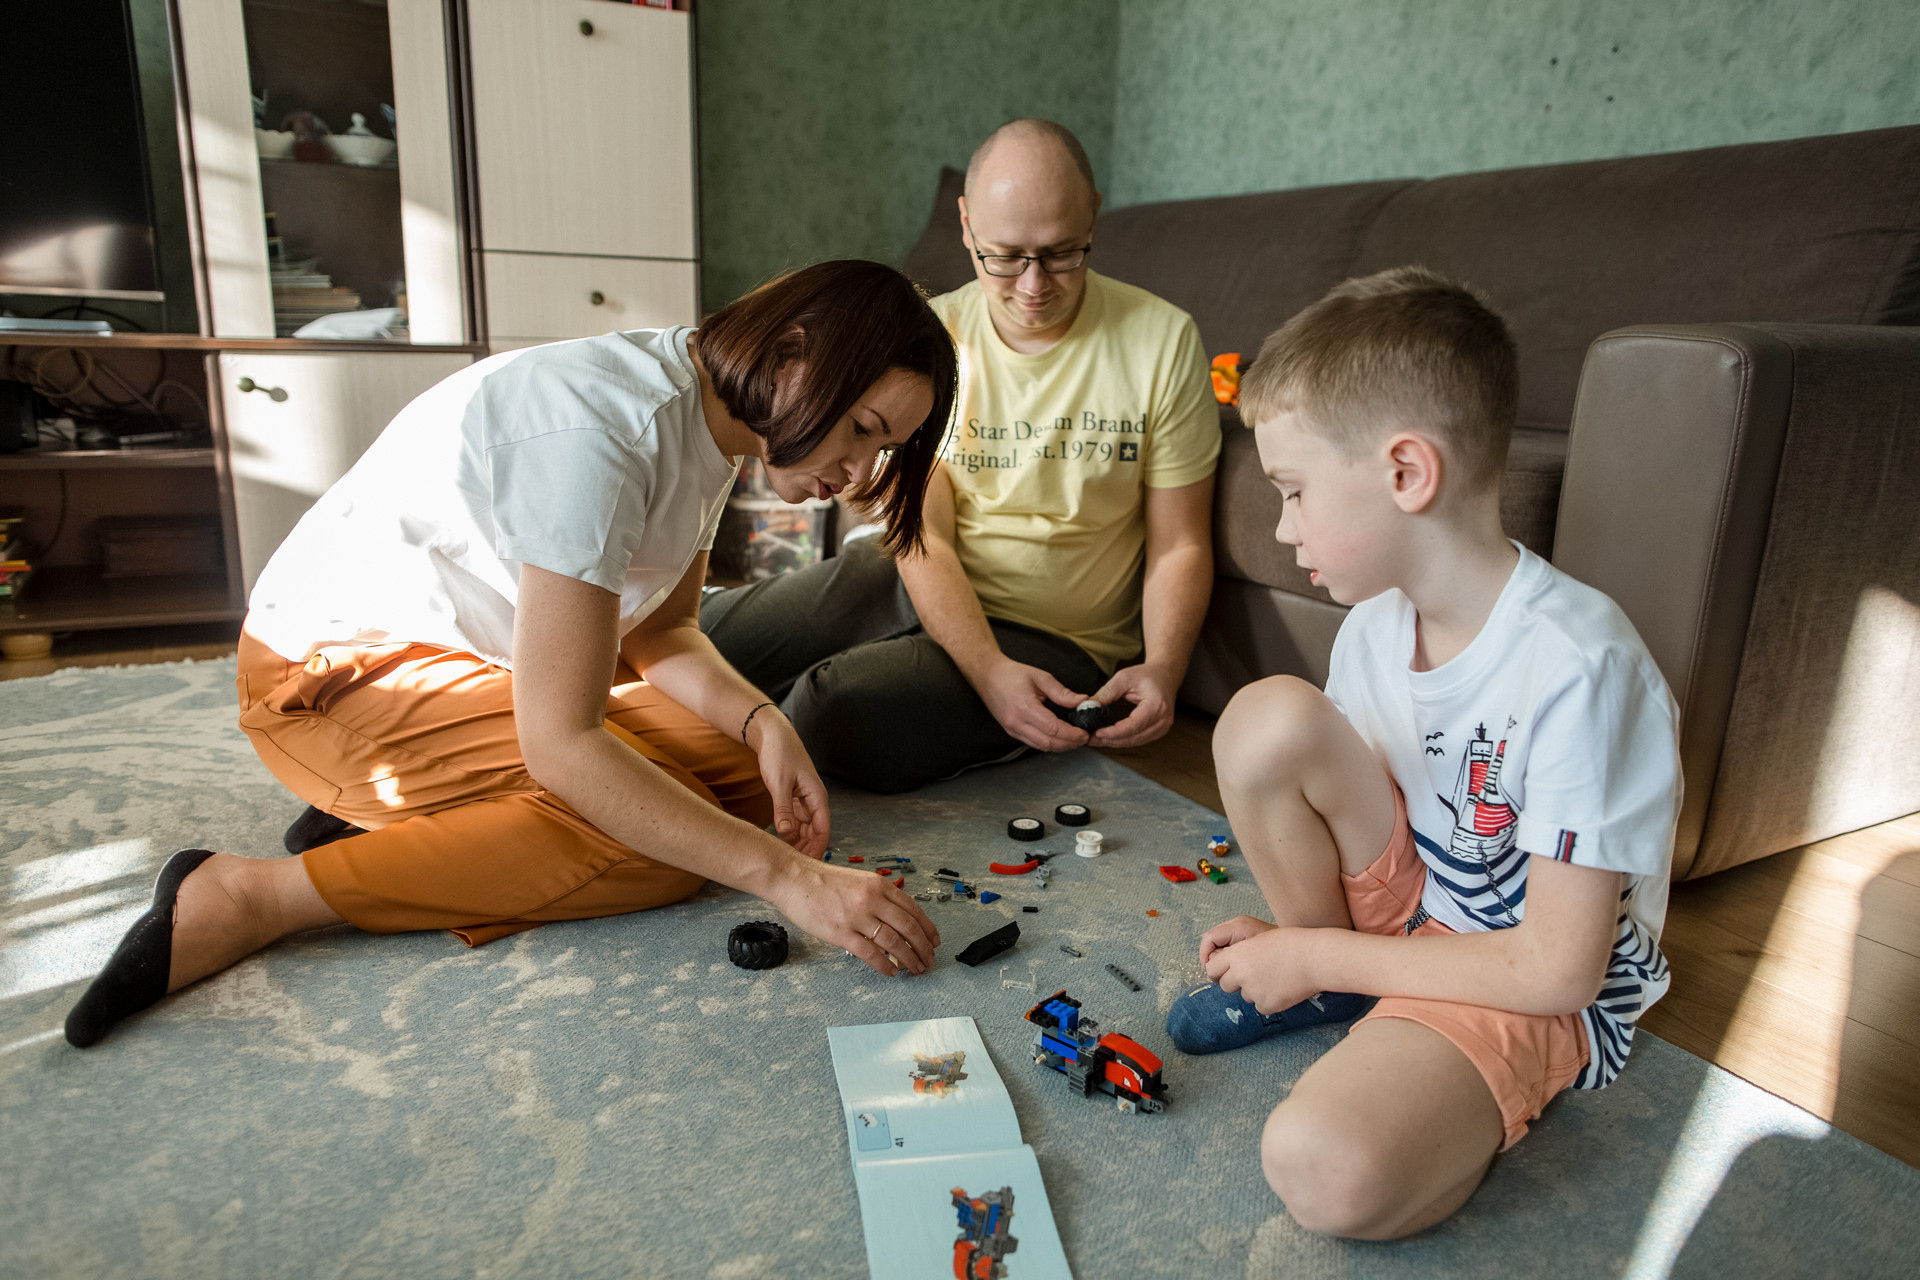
{"x": 1225, "y": 372}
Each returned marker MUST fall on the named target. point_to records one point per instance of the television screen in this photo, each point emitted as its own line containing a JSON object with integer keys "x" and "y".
{"x": 76, "y": 204}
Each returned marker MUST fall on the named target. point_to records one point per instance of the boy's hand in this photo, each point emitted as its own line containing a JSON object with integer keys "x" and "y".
{"x": 1238, "y": 929}
{"x": 1268, "y": 969}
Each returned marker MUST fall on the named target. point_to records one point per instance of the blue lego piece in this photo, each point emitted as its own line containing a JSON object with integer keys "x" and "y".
{"x": 989, "y": 897}
{"x": 1065, "y": 1048}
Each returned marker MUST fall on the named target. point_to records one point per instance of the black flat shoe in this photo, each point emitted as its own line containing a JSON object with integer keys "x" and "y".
{"x": 136, "y": 974}
{"x": 313, "y": 828}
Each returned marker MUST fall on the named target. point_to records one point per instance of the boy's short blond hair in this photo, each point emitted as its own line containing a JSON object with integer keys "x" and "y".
{"x": 1403, "y": 349}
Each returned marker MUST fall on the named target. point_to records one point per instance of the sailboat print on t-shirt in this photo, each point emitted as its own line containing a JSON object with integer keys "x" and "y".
{"x": 1483, "y": 829}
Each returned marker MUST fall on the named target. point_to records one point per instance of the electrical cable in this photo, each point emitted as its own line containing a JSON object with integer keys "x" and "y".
{"x": 59, "y": 525}
{"x": 78, "y": 308}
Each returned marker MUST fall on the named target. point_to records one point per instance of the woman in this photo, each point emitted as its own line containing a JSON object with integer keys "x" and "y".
{"x": 427, "y": 656}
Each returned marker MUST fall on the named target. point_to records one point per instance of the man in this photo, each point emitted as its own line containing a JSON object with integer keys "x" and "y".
{"x": 1068, "y": 545}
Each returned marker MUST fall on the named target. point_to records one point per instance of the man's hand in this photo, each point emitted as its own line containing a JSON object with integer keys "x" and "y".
{"x": 1018, "y": 694}
{"x": 799, "y": 797}
{"x": 1150, "y": 688}
{"x": 1238, "y": 929}
{"x": 1270, "y": 968}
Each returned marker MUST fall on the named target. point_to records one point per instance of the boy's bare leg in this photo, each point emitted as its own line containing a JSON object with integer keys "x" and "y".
{"x": 1307, "y": 798}
{"x": 1385, "y": 1135}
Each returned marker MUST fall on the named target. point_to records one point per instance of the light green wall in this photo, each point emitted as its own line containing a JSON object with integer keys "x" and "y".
{"x": 1222, "y": 96}
{"x": 824, "y": 123}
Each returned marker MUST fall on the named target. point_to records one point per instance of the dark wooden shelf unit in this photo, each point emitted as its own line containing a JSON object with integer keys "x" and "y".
{"x": 196, "y": 342}
{"x": 108, "y": 459}
{"x": 76, "y": 597}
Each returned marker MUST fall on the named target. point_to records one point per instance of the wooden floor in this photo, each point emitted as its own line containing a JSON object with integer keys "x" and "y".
{"x": 1799, "y": 972}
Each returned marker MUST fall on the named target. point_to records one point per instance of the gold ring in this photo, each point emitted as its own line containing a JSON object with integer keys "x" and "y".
{"x": 875, "y": 935}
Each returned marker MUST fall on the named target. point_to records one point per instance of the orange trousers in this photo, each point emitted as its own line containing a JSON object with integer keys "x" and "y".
{"x": 417, "y": 744}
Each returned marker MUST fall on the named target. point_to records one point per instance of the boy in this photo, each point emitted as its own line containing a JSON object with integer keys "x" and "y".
{"x": 1474, "y": 822}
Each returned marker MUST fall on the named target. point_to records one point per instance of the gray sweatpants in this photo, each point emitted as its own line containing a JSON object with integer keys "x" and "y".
{"x": 876, "y": 700}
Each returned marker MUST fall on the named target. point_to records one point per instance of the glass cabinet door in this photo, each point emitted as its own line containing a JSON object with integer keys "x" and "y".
{"x": 321, "y": 74}
{"x": 324, "y": 151}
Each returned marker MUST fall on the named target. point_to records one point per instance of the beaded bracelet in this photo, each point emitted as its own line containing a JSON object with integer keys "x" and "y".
{"x": 749, "y": 720}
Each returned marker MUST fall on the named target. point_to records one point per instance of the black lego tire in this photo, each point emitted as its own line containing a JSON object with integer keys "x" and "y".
{"x": 757, "y": 944}
{"x": 1026, "y": 829}
{"x": 1073, "y": 815}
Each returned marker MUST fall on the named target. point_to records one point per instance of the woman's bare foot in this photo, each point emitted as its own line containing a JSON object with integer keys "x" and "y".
{"x": 231, "y": 907}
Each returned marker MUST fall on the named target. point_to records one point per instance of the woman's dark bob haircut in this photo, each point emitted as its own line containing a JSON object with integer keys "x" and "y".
{"x": 847, "y": 324}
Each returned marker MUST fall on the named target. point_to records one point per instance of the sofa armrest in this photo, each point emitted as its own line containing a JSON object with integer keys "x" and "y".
{"x": 1747, "y": 493}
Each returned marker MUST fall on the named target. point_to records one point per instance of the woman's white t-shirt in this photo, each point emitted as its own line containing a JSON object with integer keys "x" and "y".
{"x": 591, "y": 459}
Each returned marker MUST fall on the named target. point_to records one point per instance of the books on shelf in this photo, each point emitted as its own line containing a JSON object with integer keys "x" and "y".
{"x": 302, "y": 294}
{"x": 14, "y": 569}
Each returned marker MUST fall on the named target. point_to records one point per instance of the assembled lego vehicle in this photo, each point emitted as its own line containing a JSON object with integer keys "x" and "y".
{"x": 980, "y": 1252}
{"x": 1112, "y": 1063}
{"x": 938, "y": 1076}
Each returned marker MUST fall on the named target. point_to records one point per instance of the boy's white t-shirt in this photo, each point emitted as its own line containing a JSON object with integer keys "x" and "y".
{"x": 591, "y": 459}
{"x": 1552, "y": 733}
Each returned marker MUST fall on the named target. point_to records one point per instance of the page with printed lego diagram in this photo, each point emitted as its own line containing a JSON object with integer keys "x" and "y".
{"x": 920, "y": 1089}
{"x": 946, "y": 1185}
{"x": 984, "y": 1216}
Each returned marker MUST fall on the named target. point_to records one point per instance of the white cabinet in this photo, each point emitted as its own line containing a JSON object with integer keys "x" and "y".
{"x": 584, "y": 164}
{"x": 583, "y": 127}
{"x": 540, "y": 297}
{"x": 297, "y": 421}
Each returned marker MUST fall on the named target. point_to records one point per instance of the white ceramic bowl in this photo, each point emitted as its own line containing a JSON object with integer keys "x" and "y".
{"x": 349, "y": 148}
{"x": 273, "y": 144}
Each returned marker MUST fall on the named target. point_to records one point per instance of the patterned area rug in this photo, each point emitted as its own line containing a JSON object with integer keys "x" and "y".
{"x": 612, "y": 1098}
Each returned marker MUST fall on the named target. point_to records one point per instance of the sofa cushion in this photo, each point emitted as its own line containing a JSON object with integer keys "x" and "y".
{"x": 1822, "y": 230}
{"x": 1246, "y": 507}
{"x": 1241, "y": 265}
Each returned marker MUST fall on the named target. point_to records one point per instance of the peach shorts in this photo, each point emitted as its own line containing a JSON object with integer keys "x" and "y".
{"x": 1525, "y": 1058}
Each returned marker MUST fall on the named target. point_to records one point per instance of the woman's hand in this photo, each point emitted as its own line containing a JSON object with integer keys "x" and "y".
{"x": 800, "y": 814}
{"x": 859, "y": 912}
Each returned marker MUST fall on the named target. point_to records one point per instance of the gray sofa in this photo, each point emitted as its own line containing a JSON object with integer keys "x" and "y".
{"x": 1719, "y": 427}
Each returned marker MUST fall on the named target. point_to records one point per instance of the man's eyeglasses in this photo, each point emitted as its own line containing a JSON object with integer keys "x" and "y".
{"x": 1015, "y": 264}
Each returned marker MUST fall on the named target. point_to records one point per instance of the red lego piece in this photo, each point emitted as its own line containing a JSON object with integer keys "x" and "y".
{"x": 901, "y": 883}
{"x": 1002, "y": 869}
{"x": 1178, "y": 874}
{"x": 856, "y": 857}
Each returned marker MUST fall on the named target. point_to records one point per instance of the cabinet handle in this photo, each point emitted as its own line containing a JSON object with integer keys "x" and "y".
{"x": 275, "y": 394}
{"x": 586, "y": 28}
{"x": 596, "y": 297}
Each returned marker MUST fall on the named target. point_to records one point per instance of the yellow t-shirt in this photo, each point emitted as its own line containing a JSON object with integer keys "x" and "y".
{"x": 1051, "y": 454}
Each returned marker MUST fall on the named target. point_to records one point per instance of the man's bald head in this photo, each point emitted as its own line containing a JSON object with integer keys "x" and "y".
{"x": 1030, "y": 195}
{"x": 1028, "y": 142}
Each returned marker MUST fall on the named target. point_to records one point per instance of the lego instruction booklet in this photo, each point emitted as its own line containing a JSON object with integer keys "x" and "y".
{"x": 946, "y": 1185}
